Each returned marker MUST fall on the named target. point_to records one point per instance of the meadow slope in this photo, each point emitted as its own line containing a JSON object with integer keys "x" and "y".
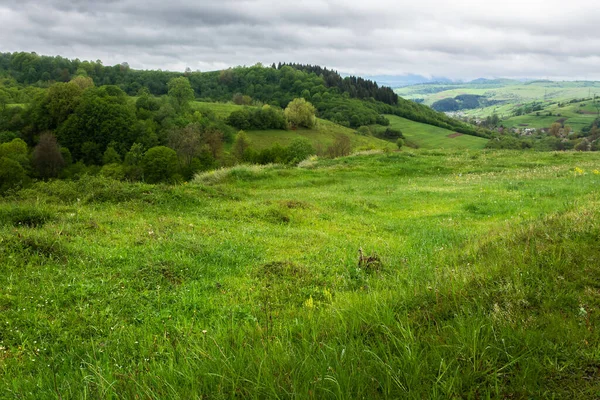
{"x": 483, "y": 281}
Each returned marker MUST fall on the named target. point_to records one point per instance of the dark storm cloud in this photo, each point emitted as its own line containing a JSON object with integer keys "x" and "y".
{"x": 462, "y": 40}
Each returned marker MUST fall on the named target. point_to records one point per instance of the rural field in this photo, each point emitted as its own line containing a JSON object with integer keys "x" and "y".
{"x": 432, "y": 137}
{"x": 478, "y": 280}
{"x": 570, "y": 103}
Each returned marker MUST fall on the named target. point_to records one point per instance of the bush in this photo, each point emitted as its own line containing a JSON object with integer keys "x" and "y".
{"x": 114, "y": 171}
{"x": 341, "y": 147}
{"x": 160, "y": 164}
{"x": 12, "y": 175}
{"x": 390, "y": 134}
{"x": 299, "y": 150}
{"x": 300, "y": 113}
{"x": 364, "y": 130}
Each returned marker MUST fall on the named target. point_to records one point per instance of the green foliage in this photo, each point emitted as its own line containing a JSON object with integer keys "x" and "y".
{"x": 266, "y": 117}
{"x": 113, "y": 171}
{"x": 341, "y": 147}
{"x": 160, "y": 164}
{"x": 400, "y": 143}
{"x": 241, "y": 146}
{"x": 390, "y": 134}
{"x": 300, "y": 113}
{"x": 364, "y": 130}
{"x": 103, "y": 116}
{"x": 299, "y": 150}
{"x": 111, "y": 156}
{"x": 47, "y": 157}
{"x": 180, "y": 92}
{"x": 12, "y": 175}
{"x": 15, "y": 150}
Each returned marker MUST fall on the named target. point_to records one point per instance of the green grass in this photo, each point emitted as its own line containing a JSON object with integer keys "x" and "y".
{"x": 221, "y": 110}
{"x": 323, "y": 135}
{"x": 432, "y": 137}
{"x": 249, "y": 286}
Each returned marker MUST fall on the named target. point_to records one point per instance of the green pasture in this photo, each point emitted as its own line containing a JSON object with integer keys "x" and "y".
{"x": 432, "y": 137}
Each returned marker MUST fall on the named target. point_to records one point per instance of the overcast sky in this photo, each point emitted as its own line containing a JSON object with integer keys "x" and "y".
{"x": 461, "y": 39}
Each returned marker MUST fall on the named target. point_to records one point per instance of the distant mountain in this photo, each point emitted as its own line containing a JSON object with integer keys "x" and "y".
{"x": 498, "y": 81}
{"x": 396, "y": 81}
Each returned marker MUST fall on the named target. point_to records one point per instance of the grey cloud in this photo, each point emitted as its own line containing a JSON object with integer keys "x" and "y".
{"x": 464, "y": 40}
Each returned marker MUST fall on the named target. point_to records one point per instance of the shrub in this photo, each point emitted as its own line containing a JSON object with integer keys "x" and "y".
{"x": 341, "y": 147}
{"x": 114, "y": 171}
{"x": 160, "y": 164}
{"x": 299, "y": 150}
{"x": 12, "y": 175}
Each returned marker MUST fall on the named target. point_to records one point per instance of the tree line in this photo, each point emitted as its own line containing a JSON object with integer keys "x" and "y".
{"x": 276, "y": 85}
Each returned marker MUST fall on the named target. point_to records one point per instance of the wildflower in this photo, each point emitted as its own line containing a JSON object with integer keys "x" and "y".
{"x": 310, "y": 303}
{"x": 578, "y": 171}
{"x": 596, "y": 172}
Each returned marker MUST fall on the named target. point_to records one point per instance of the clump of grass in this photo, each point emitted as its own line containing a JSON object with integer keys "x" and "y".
{"x": 309, "y": 162}
{"x": 88, "y": 189}
{"x": 242, "y": 172}
{"x": 28, "y": 216}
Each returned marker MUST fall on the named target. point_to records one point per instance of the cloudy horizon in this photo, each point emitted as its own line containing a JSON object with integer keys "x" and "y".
{"x": 512, "y": 39}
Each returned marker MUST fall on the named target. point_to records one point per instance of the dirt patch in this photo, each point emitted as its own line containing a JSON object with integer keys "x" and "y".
{"x": 588, "y": 112}
{"x": 561, "y": 120}
{"x": 455, "y": 134}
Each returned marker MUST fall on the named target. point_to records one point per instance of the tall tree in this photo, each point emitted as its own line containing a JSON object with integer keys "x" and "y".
{"x": 180, "y": 92}
{"x": 300, "y": 113}
{"x": 47, "y": 157}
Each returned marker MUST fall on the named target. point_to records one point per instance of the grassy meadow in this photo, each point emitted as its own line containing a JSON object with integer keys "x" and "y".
{"x": 321, "y": 136}
{"x": 432, "y": 137}
{"x": 482, "y": 281}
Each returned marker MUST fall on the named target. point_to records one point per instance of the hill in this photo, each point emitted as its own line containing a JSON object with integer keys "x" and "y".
{"x": 350, "y": 101}
{"x": 432, "y": 137}
{"x": 478, "y": 279}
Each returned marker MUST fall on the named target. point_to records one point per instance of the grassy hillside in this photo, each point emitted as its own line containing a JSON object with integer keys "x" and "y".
{"x": 431, "y": 137}
{"x": 324, "y": 134}
{"x": 483, "y": 282}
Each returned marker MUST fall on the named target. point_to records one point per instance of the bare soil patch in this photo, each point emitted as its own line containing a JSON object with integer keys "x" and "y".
{"x": 455, "y": 134}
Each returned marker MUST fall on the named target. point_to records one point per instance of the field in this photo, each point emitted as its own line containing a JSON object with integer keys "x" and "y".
{"x": 514, "y": 94}
{"x": 323, "y": 135}
{"x": 221, "y": 110}
{"x": 479, "y": 279}
{"x": 432, "y": 137}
